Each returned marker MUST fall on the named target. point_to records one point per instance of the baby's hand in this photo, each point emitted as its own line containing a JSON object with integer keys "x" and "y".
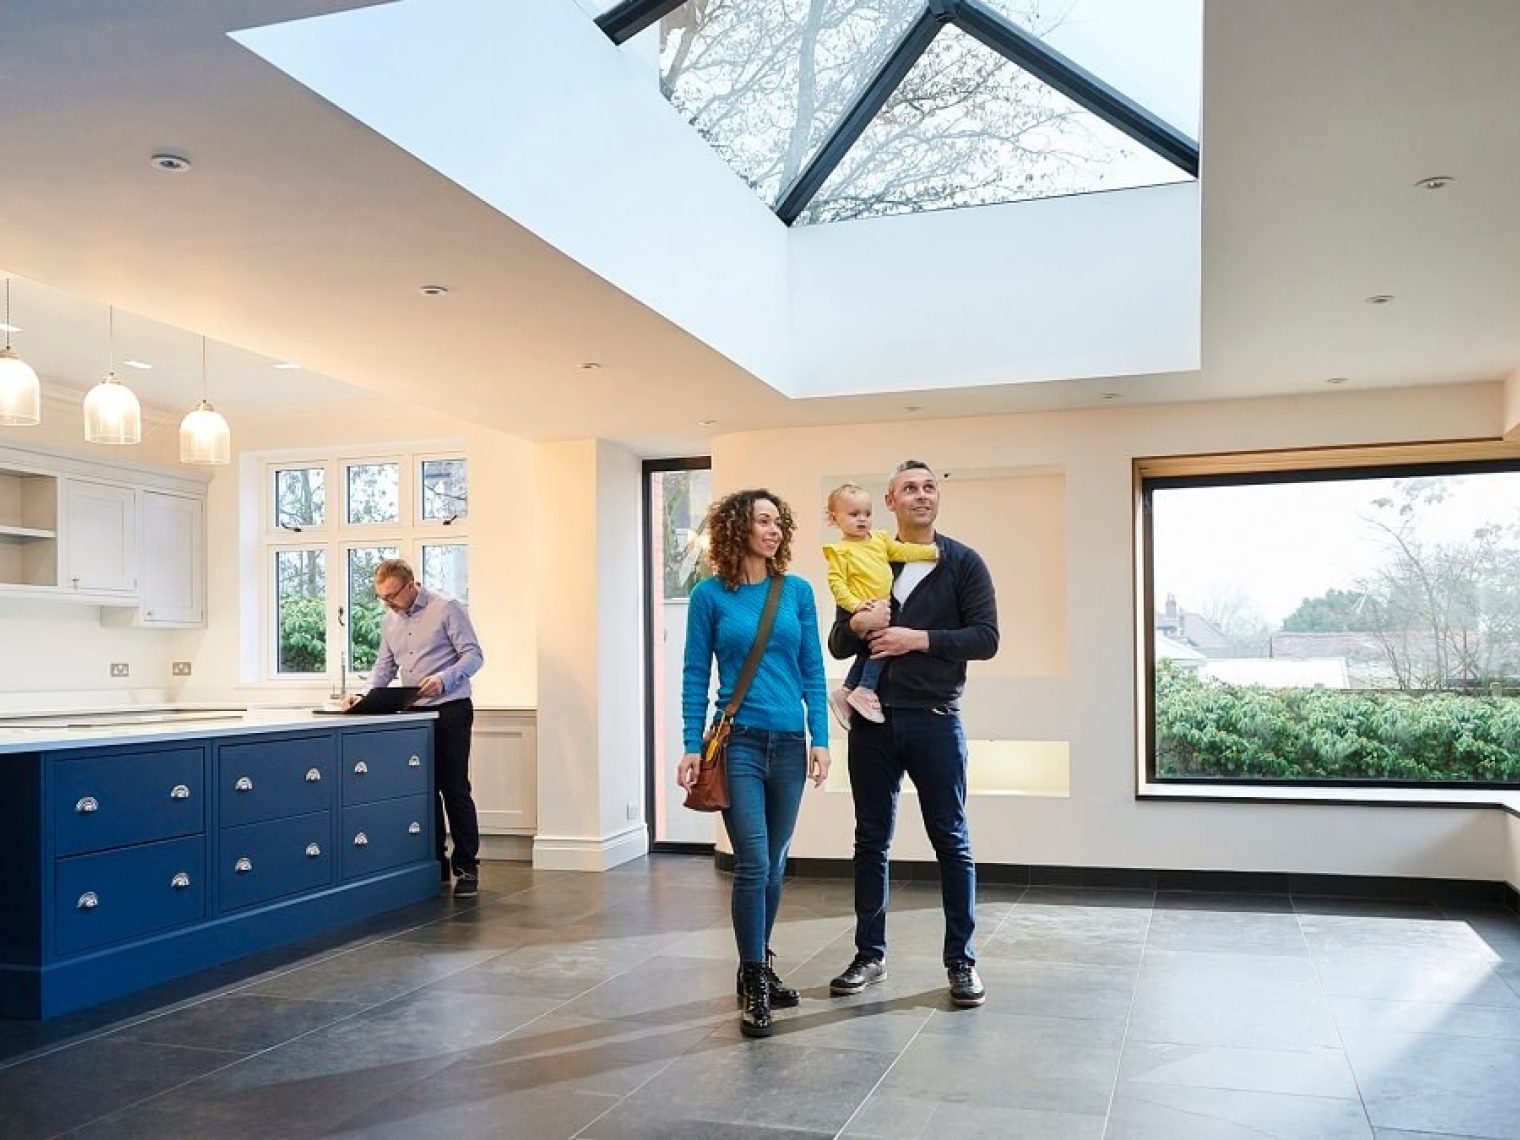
{"x": 868, "y": 605}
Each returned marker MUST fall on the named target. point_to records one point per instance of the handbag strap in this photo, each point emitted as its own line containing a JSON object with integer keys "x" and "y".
{"x": 756, "y": 651}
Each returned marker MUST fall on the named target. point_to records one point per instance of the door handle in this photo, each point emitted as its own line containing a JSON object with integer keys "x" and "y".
{"x": 179, "y": 792}
{"x": 87, "y": 805}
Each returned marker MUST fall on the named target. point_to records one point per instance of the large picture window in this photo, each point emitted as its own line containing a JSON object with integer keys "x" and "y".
{"x": 321, "y": 553}
{"x": 1342, "y": 626}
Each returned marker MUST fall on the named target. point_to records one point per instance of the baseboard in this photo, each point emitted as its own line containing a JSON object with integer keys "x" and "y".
{"x": 577, "y": 853}
{"x": 507, "y": 848}
{"x": 1452, "y": 892}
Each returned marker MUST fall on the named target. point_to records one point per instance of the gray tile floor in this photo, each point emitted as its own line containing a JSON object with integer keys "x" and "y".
{"x": 601, "y": 1006}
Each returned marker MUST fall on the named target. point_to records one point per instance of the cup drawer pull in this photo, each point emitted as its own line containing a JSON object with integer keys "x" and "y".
{"x": 179, "y": 792}
{"x": 361, "y": 840}
{"x": 180, "y": 881}
{"x": 243, "y": 784}
{"x": 243, "y": 865}
{"x": 414, "y": 761}
{"x": 360, "y": 768}
{"x": 88, "y": 901}
{"x": 87, "y": 805}
{"x": 414, "y": 828}
{"x": 313, "y": 776}
{"x": 312, "y": 850}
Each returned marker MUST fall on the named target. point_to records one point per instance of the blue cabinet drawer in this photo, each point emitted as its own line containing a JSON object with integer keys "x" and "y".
{"x": 274, "y": 779}
{"x": 127, "y": 797}
{"x": 387, "y": 834}
{"x": 385, "y": 764}
{"x": 116, "y": 895}
{"x": 269, "y": 860}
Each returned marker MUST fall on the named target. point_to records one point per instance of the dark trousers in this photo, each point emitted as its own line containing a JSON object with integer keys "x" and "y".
{"x": 928, "y": 746}
{"x": 451, "y": 775}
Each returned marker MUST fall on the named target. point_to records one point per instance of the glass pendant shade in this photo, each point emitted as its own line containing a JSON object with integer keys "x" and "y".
{"x": 20, "y": 392}
{"x": 204, "y": 437}
{"x": 112, "y": 413}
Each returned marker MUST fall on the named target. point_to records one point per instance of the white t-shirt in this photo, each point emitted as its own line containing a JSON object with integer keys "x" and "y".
{"x": 909, "y": 577}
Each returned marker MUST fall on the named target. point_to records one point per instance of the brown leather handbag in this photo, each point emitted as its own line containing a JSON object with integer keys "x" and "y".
{"x": 710, "y": 791}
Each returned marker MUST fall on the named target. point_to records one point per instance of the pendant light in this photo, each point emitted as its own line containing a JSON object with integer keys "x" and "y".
{"x": 111, "y": 412}
{"x": 204, "y": 436}
{"x": 20, "y": 391}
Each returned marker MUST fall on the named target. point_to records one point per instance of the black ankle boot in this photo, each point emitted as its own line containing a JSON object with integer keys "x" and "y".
{"x": 755, "y": 1019}
{"x": 782, "y": 997}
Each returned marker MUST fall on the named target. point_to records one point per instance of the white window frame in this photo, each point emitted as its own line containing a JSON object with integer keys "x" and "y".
{"x": 336, "y": 537}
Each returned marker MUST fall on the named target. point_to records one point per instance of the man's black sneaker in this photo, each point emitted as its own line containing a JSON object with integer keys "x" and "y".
{"x": 965, "y": 985}
{"x": 864, "y": 971}
{"x": 467, "y": 886}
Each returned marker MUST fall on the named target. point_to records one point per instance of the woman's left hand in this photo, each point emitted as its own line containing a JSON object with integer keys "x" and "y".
{"x": 818, "y": 766}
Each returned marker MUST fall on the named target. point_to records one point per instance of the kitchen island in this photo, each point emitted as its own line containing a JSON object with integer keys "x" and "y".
{"x": 143, "y": 845}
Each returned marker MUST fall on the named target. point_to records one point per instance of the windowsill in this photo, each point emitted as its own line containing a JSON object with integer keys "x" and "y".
{"x": 1506, "y": 798}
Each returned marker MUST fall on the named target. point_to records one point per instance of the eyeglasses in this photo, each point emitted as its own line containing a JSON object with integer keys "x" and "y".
{"x": 393, "y": 595}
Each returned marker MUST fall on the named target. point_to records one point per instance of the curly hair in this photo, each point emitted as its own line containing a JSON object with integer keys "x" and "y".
{"x": 728, "y": 526}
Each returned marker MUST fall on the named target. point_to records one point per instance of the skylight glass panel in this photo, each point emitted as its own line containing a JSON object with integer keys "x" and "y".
{"x": 1151, "y": 50}
{"x": 968, "y": 127}
{"x": 763, "y": 81}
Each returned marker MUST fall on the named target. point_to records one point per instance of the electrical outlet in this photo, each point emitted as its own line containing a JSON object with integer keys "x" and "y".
{"x": 632, "y": 810}
{"x": 180, "y": 668}
{"x": 120, "y": 669}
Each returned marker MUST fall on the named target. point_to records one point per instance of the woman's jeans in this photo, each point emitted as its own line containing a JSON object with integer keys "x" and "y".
{"x": 766, "y": 774}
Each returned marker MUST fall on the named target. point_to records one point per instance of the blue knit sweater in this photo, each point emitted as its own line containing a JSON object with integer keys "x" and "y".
{"x": 722, "y": 623}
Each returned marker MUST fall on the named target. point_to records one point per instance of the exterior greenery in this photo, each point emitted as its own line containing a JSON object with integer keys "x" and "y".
{"x": 1209, "y": 730}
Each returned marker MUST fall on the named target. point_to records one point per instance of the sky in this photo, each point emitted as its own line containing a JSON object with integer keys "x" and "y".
{"x": 1277, "y": 544}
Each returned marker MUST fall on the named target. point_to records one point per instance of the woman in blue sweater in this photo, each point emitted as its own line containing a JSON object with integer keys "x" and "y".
{"x": 769, "y": 762}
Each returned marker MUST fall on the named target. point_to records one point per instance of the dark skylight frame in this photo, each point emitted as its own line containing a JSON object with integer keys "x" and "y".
{"x": 627, "y": 19}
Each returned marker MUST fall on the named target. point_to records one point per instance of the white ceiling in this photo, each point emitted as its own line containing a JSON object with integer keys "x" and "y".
{"x": 68, "y": 340}
{"x": 302, "y": 235}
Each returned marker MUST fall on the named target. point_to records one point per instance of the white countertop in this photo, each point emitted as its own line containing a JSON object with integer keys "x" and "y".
{"x": 40, "y": 732}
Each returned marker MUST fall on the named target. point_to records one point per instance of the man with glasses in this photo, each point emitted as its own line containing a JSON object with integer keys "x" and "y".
{"x": 429, "y": 639}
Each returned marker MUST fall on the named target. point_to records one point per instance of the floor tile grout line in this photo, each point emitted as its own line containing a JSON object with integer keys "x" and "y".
{"x": 1319, "y": 983}
{"x": 267, "y": 1049}
{"x": 887, "y": 1072}
{"x": 235, "y": 989}
{"x": 1129, "y": 1016}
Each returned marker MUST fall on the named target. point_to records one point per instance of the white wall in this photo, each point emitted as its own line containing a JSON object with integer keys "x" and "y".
{"x": 531, "y": 108}
{"x": 1092, "y": 703}
{"x": 57, "y": 654}
{"x": 1512, "y": 871}
{"x": 590, "y": 657}
{"x": 1089, "y": 285}
{"x": 502, "y": 518}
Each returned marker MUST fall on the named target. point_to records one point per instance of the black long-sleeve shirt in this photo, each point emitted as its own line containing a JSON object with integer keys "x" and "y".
{"x": 956, "y": 605}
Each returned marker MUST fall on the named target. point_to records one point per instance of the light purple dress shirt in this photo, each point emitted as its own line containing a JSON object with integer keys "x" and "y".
{"x": 433, "y": 636}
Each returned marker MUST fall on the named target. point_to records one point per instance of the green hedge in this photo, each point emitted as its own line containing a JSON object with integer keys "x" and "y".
{"x": 1207, "y": 729}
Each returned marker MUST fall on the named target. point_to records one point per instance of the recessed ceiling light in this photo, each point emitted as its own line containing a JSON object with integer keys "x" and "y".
{"x": 286, "y": 366}
{"x": 590, "y": 365}
{"x": 1435, "y": 182}
{"x": 913, "y": 408}
{"x": 1336, "y": 379}
{"x": 1379, "y": 298}
{"x": 10, "y": 328}
{"x": 140, "y": 365}
{"x": 169, "y": 163}
{"x": 1113, "y": 395}
{"x": 707, "y": 423}
{"x": 433, "y": 290}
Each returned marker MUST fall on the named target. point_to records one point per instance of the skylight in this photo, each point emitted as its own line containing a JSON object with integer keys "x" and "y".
{"x": 839, "y": 109}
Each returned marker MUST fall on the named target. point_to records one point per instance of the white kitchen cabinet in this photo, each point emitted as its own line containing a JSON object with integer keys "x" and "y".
{"x": 172, "y": 583}
{"x": 100, "y": 538}
{"x": 504, "y": 780}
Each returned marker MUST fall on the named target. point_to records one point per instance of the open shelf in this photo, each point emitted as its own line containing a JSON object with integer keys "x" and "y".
{"x": 8, "y": 531}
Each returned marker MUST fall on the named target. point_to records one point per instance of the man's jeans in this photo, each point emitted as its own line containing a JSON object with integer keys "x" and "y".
{"x": 930, "y": 747}
{"x": 766, "y": 773}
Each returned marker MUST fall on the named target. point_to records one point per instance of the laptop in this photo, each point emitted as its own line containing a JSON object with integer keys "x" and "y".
{"x": 391, "y": 699}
